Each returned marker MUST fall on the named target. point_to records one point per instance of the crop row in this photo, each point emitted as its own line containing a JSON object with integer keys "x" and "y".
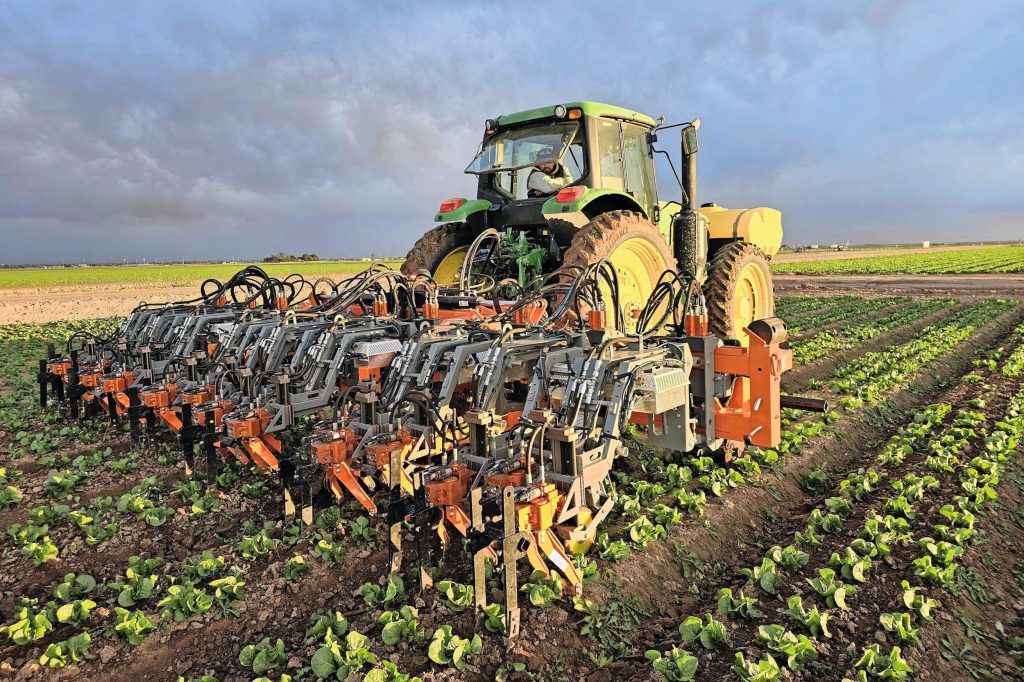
{"x": 788, "y": 307}
{"x": 989, "y": 259}
{"x": 664, "y": 493}
{"x": 870, "y": 376}
{"x": 1013, "y": 364}
{"x": 807, "y": 350}
{"x": 765, "y": 582}
{"x": 887, "y": 526}
{"x": 875, "y": 375}
{"x": 846, "y": 310}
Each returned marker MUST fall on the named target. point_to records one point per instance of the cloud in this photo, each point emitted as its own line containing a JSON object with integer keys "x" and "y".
{"x": 220, "y": 130}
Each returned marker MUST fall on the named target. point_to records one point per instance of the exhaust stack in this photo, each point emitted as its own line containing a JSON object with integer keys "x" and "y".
{"x": 688, "y": 236}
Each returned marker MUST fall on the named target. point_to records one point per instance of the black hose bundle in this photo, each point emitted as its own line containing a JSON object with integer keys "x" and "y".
{"x": 672, "y": 295}
{"x": 572, "y": 287}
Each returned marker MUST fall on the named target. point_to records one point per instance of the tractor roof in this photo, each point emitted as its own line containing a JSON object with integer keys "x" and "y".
{"x": 589, "y": 109}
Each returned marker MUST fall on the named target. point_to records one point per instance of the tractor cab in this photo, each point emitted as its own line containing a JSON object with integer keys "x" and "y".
{"x": 598, "y": 146}
{"x": 599, "y": 151}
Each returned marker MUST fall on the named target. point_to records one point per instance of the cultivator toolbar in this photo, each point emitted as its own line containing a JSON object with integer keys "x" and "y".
{"x": 494, "y": 423}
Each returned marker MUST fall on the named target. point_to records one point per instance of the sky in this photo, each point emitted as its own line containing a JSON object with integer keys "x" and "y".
{"x": 232, "y": 130}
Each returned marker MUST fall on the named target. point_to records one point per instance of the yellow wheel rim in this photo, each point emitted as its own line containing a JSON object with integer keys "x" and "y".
{"x": 638, "y": 264}
{"x": 446, "y": 273}
{"x": 750, "y": 301}
{"x": 581, "y": 547}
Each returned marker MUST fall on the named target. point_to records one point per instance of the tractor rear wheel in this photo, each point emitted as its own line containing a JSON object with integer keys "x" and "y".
{"x": 634, "y": 247}
{"x": 738, "y": 290}
{"x": 441, "y": 252}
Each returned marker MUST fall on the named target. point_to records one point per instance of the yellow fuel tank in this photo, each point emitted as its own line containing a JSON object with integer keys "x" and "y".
{"x": 760, "y": 226}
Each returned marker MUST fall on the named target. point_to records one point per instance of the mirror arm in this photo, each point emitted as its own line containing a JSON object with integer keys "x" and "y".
{"x": 671, "y": 165}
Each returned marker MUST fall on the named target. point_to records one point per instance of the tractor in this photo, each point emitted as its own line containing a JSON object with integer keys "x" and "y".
{"x": 512, "y": 236}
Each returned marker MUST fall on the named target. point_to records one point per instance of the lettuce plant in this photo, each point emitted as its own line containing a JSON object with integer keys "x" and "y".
{"x": 737, "y": 605}
{"x": 456, "y": 596}
{"x": 67, "y": 652}
{"x": 390, "y": 593}
{"x": 543, "y": 591}
{"x": 132, "y": 625}
{"x": 263, "y": 656}
{"x": 450, "y": 650}
{"x": 829, "y": 588}
{"x": 711, "y": 634}
{"x": 795, "y": 650}
{"x": 401, "y": 625}
{"x": 675, "y": 665}
{"x": 30, "y": 623}
{"x": 813, "y": 621}
{"x": 764, "y": 576}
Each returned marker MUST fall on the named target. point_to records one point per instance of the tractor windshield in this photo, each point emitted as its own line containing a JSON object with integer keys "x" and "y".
{"x": 523, "y": 147}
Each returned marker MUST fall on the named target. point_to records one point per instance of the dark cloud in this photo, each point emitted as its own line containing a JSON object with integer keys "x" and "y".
{"x": 234, "y": 130}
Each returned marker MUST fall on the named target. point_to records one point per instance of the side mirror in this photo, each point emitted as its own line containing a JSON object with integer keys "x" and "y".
{"x": 690, "y": 139}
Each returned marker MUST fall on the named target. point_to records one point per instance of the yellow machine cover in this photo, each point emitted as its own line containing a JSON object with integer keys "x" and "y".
{"x": 760, "y": 226}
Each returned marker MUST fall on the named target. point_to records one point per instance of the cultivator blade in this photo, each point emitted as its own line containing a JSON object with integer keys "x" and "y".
{"x": 490, "y": 425}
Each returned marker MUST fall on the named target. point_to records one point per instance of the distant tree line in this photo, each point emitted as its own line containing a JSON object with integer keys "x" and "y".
{"x": 282, "y": 257}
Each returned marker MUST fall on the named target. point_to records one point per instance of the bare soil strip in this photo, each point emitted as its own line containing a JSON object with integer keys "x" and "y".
{"x": 81, "y": 302}
{"x": 820, "y": 255}
{"x": 962, "y": 286}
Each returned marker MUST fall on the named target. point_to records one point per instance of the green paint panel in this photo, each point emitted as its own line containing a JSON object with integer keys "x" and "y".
{"x": 552, "y": 208}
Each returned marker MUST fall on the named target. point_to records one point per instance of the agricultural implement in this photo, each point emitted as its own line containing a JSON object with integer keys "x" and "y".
{"x": 482, "y": 396}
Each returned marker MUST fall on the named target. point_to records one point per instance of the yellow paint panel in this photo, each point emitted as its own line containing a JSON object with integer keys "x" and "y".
{"x": 760, "y": 226}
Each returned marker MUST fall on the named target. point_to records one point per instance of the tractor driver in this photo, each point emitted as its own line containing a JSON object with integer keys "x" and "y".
{"x": 548, "y": 177}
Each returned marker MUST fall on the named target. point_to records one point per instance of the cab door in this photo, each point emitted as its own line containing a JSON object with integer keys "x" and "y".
{"x": 625, "y": 161}
{"x": 638, "y": 162}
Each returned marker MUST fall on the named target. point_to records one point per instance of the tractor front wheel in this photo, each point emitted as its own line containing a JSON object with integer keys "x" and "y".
{"x": 738, "y": 290}
{"x": 441, "y": 252}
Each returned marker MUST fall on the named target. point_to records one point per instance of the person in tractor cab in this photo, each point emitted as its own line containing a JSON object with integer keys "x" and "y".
{"x": 547, "y": 177}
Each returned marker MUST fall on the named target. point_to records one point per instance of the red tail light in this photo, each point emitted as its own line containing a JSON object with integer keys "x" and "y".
{"x": 567, "y": 195}
{"x": 449, "y": 205}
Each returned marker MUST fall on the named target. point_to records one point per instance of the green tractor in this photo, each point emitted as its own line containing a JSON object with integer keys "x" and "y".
{"x": 598, "y": 200}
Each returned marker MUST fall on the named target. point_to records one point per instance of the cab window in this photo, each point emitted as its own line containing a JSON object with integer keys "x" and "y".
{"x": 609, "y": 150}
{"x": 638, "y": 162}
{"x": 513, "y": 183}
